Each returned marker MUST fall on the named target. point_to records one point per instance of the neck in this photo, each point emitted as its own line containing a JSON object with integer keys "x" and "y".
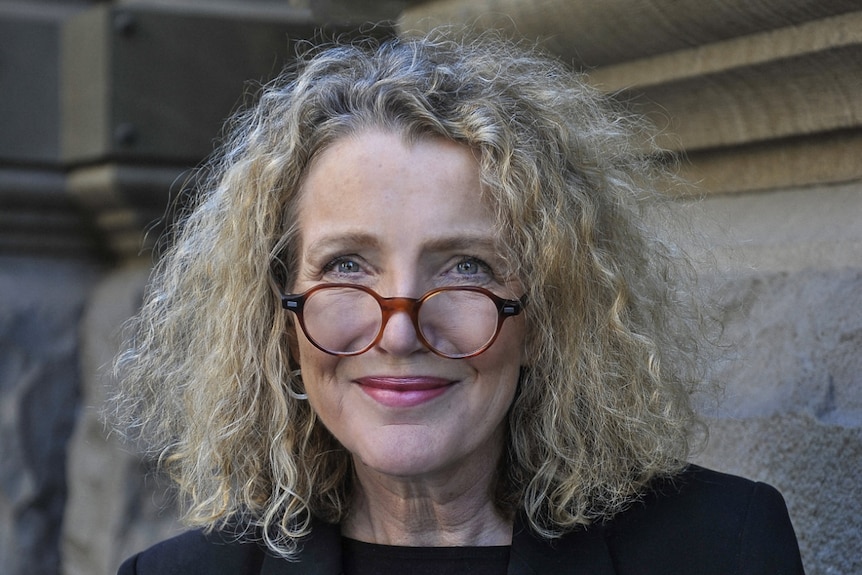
{"x": 452, "y": 510}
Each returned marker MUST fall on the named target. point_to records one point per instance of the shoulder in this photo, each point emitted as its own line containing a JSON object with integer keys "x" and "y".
{"x": 706, "y": 520}
{"x": 196, "y": 552}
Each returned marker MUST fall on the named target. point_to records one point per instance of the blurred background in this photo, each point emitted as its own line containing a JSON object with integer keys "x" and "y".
{"x": 106, "y": 105}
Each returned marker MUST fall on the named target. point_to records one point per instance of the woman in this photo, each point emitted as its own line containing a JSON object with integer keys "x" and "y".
{"x": 414, "y": 323}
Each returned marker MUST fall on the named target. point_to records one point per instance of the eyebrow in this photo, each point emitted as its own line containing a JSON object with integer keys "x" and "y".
{"x": 442, "y": 244}
{"x": 336, "y": 241}
{"x": 463, "y": 242}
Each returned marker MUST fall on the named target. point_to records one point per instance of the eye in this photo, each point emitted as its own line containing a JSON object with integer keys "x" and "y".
{"x": 347, "y": 267}
{"x": 343, "y": 265}
{"x": 468, "y": 267}
{"x": 471, "y": 270}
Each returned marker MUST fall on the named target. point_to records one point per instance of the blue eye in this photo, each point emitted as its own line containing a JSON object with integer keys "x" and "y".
{"x": 342, "y": 265}
{"x": 347, "y": 267}
{"x": 468, "y": 267}
{"x": 473, "y": 267}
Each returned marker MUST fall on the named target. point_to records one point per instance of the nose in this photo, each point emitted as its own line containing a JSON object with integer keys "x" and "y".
{"x": 399, "y": 335}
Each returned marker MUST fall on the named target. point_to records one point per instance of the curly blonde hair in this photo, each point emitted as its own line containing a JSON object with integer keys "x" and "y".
{"x": 605, "y": 403}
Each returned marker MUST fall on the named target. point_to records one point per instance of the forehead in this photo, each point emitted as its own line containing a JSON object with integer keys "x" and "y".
{"x": 378, "y": 152}
{"x": 378, "y": 182}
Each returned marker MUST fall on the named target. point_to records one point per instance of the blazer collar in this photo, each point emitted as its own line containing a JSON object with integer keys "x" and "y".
{"x": 582, "y": 552}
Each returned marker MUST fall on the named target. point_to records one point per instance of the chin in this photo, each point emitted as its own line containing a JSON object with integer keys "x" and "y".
{"x": 424, "y": 452}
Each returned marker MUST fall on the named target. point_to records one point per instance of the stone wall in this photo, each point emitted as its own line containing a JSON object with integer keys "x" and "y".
{"x": 105, "y": 105}
{"x": 790, "y": 281}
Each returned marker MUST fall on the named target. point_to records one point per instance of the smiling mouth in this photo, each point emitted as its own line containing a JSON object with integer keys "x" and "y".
{"x": 404, "y": 391}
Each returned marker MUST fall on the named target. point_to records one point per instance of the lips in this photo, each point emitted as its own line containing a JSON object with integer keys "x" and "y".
{"x": 404, "y": 391}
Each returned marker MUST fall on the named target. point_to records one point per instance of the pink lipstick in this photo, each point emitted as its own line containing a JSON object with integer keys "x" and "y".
{"x": 403, "y": 391}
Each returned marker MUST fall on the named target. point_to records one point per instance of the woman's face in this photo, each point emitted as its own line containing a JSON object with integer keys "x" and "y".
{"x": 402, "y": 219}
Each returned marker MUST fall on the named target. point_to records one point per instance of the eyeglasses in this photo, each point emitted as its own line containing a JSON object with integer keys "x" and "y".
{"x": 453, "y": 322}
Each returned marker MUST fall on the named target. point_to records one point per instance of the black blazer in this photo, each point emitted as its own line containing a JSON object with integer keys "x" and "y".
{"x": 700, "y": 522}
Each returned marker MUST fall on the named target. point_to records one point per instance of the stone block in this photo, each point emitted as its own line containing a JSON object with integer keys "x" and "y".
{"x": 29, "y": 74}
{"x": 117, "y": 505}
{"x": 796, "y": 339}
{"x": 40, "y": 304}
{"x": 145, "y": 82}
{"x": 815, "y": 228}
{"x": 787, "y": 279}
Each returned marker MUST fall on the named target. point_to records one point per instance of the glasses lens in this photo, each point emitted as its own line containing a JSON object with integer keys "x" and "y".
{"x": 458, "y": 322}
{"x": 342, "y": 319}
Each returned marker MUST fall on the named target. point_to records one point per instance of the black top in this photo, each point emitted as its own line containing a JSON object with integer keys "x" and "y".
{"x": 360, "y": 558}
{"x": 700, "y": 522}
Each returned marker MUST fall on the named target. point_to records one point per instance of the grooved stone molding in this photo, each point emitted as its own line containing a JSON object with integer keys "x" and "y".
{"x": 783, "y": 83}
{"x": 611, "y": 31}
{"x": 38, "y": 217}
{"x": 129, "y": 204}
{"x": 754, "y": 95}
{"x": 358, "y": 12}
{"x": 822, "y": 158}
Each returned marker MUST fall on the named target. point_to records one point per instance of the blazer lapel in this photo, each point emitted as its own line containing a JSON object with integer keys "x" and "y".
{"x": 582, "y": 552}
